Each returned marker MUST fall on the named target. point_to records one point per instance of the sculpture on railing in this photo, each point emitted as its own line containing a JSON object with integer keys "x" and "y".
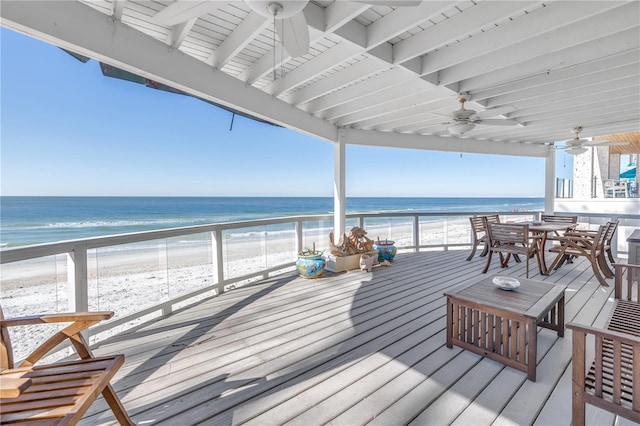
{"x": 354, "y": 243}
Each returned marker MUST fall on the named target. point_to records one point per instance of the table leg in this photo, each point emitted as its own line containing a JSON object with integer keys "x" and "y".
{"x": 561, "y": 316}
{"x": 449, "y": 322}
{"x": 532, "y": 349}
{"x": 543, "y": 244}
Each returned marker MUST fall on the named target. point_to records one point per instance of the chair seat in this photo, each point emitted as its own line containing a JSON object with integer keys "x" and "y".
{"x": 59, "y": 393}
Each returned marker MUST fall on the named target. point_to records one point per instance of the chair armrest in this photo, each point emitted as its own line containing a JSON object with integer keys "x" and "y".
{"x": 12, "y": 387}
{"x": 582, "y": 234}
{"x": 79, "y": 321}
{"x": 56, "y": 318}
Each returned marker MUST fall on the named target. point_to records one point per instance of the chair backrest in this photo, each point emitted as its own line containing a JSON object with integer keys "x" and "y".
{"x": 508, "y": 233}
{"x": 558, "y": 218}
{"x": 610, "y": 231}
{"x": 492, "y": 218}
{"x": 477, "y": 224}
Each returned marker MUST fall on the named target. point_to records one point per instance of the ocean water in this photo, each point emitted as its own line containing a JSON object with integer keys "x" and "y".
{"x": 34, "y": 220}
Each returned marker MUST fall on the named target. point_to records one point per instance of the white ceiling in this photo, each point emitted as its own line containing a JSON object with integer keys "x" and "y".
{"x": 380, "y": 75}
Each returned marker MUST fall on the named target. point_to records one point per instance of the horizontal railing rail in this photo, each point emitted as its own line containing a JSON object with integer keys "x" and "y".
{"x": 412, "y": 230}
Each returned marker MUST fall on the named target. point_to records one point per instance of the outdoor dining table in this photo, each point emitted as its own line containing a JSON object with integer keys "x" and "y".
{"x": 541, "y": 231}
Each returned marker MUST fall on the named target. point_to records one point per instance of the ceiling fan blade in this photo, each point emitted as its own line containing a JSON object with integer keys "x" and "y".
{"x": 605, "y": 143}
{"x": 391, "y": 2}
{"x": 492, "y": 112}
{"x": 183, "y": 10}
{"x": 498, "y": 122}
{"x": 294, "y": 34}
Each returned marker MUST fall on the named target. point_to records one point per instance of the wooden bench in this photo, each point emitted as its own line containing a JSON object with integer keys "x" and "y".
{"x": 610, "y": 381}
{"x": 58, "y": 393}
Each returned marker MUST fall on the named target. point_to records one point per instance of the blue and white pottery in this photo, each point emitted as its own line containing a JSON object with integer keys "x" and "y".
{"x": 386, "y": 250}
{"x": 311, "y": 266}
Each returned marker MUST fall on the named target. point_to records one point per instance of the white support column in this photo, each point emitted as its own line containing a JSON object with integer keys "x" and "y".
{"x": 77, "y": 272}
{"x": 218, "y": 260}
{"x": 549, "y": 182}
{"x": 339, "y": 198}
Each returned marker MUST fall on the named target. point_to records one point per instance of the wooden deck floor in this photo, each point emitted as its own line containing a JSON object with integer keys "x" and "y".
{"x": 348, "y": 349}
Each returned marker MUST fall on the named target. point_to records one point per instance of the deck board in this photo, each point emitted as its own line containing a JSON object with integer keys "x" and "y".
{"x": 349, "y": 348}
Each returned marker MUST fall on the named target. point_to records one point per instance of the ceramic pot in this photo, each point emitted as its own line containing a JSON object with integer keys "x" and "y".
{"x": 386, "y": 250}
{"x": 310, "y": 266}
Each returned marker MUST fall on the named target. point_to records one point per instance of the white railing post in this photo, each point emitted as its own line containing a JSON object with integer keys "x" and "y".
{"x": 299, "y": 236}
{"x": 614, "y": 239}
{"x": 218, "y": 270}
{"x": 77, "y": 279}
{"x": 416, "y": 232}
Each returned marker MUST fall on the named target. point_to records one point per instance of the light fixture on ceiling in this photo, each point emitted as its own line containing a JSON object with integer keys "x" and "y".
{"x": 576, "y": 151}
{"x": 461, "y": 128}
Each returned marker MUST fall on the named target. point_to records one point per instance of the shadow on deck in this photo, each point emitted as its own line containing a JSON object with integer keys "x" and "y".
{"x": 347, "y": 349}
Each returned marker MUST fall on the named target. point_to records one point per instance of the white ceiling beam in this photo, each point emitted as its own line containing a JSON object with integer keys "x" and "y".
{"x": 590, "y": 29}
{"x": 178, "y": 33}
{"x": 555, "y": 15}
{"x": 374, "y": 105}
{"x": 79, "y": 28}
{"x": 328, "y": 59}
{"x": 618, "y": 95}
{"x": 436, "y": 143}
{"x": 403, "y": 19}
{"x": 613, "y": 44}
{"x": 623, "y": 106}
{"x": 356, "y": 91}
{"x": 336, "y": 81}
{"x": 566, "y": 74}
{"x": 339, "y": 13}
{"x": 239, "y": 38}
{"x": 410, "y": 116}
{"x": 572, "y": 93}
{"x": 117, "y": 9}
{"x": 584, "y": 81}
{"x": 410, "y": 100}
{"x": 483, "y": 14}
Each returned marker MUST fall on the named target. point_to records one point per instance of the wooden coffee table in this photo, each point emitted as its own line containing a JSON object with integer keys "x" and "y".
{"x": 502, "y": 325}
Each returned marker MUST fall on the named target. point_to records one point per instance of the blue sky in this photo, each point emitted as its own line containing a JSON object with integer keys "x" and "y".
{"x": 68, "y": 130}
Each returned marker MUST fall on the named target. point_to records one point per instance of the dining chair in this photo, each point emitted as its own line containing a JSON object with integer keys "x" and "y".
{"x": 479, "y": 236}
{"x": 550, "y": 218}
{"x": 511, "y": 239}
{"x": 586, "y": 244}
{"x": 479, "y": 233}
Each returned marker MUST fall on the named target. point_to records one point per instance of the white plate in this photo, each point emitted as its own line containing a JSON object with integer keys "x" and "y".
{"x": 506, "y": 283}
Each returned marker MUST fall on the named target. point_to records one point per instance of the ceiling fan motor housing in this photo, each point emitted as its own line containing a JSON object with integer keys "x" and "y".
{"x": 282, "y": 9}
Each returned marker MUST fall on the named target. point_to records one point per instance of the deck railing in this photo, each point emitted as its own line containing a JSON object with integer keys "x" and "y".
{"x": 146, "y": 274}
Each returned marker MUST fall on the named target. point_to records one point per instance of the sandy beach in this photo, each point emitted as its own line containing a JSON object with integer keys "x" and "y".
{"x": 136, "y": 276}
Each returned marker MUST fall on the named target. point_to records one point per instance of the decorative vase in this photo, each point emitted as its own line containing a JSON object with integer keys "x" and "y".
{"x": 310, "y": 265}
{"x": 386, "y": 250}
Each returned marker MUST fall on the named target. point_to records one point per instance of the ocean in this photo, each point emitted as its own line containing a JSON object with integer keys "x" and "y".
{"x": 34, "y": 220}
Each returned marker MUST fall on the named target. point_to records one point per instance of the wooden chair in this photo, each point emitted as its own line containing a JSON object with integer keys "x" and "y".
{"x": 612, "y": 381}
{"x": 58, "y": 393}
{"x": 549, "y": 218}
{"x": 479, "y": 233}
{"x": 586, "y": 244}
{"x": 511, "y": 239}
{"x": 479, "y": 236}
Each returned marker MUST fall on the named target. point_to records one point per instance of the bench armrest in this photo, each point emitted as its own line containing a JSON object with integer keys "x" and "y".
{"x": 607, "y": 334}
{"x": 56, "y": 318}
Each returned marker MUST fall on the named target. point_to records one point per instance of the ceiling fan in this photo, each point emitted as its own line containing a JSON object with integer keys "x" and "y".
{"x": 464, "y": 120}
{"x": 578, "y": 146}
{"x": 292, "y": 29}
